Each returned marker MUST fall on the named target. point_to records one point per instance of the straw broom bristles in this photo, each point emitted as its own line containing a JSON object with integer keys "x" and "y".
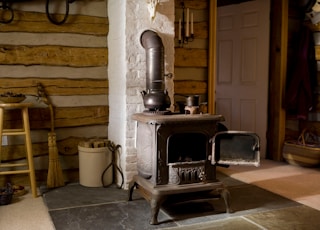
{"x": 55, "y": 176}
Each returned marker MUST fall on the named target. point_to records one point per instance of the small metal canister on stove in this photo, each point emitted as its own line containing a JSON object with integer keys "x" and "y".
{"x": 192, "y": 100}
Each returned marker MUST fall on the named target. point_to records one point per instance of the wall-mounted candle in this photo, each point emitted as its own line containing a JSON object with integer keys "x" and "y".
{"x": 187, "y": 23}
{"x": 179, "y": 33}
{"x": 191, "y": 30}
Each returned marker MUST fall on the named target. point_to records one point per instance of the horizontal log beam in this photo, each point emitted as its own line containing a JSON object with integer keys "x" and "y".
{"x": 55, "y": 87}
{"x": 64, "y": 117}
{"x": 190, "y": 87}
{"x": 191, "y": 57}
{"x": 81, "y": 116}
{"x": 67, "y": 147}
{"x": 34, "y": 22}
{"x": 53, "y": 55}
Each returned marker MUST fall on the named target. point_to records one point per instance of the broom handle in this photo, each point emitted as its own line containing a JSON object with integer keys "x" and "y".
{"x": 51, "y": 117}
{"x": 45, "y": 99}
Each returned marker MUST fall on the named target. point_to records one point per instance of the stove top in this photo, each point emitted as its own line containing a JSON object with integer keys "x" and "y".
{"x": 176, "y": 118}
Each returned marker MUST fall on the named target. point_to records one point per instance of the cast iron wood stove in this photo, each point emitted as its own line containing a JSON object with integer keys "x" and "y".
{"x": 174, "y": 156}
{"x": 174, "y": 153}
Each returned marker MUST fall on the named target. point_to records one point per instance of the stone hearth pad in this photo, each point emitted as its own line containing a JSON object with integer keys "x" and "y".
{"x": 78, "y": 207}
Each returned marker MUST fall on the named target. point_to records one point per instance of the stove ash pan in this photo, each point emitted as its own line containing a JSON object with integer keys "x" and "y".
{"x": 235, "y": 148}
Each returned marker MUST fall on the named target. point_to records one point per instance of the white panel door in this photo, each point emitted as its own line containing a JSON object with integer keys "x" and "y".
{"x": 242, "y": 67}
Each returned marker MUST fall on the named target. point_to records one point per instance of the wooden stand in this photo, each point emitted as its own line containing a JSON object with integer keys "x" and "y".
{"x": 157, "y": 194}
{"x": 24, "y": 131}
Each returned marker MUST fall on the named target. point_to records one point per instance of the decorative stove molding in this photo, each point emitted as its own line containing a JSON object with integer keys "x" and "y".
{"x": 187, "y": 172}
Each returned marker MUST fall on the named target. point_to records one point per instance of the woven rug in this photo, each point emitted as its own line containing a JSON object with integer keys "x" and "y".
{"x": 77, "y": 207}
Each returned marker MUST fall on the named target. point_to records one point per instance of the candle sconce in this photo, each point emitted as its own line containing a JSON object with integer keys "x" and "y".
{"x": 185, "y": 33}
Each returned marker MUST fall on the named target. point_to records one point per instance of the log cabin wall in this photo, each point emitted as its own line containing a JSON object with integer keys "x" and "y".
{"x": 71, "y": 61}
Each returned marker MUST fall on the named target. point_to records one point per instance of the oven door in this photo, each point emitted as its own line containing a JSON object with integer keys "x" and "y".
{"x": 235, "y": 148}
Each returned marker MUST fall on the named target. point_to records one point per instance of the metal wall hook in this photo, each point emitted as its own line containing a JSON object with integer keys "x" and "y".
{"x": 54, "y": 21}
{"x": 4, "y": 9}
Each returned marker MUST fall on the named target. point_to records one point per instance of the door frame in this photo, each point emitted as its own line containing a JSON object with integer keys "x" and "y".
{"x": 277, "y": 73}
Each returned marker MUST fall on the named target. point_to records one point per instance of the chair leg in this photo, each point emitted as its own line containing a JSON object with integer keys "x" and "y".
{"x": 29, "y": 153}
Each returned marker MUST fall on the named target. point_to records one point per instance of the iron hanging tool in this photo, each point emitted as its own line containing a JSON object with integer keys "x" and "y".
{"x": 5, "y": 8}
{"x": 113, "y": 148}
{"x": 54, "y": 21}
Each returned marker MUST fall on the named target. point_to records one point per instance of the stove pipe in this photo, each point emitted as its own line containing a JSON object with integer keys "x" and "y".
{"x": 155, "y": 97}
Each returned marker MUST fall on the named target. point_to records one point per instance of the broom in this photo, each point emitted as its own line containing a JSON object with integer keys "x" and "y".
{"x": 55, "y": 175}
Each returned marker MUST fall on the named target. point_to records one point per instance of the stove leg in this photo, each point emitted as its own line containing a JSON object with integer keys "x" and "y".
{"x": 155, "y": 204}
{"x": 132, "y": 184}
{"x": 225, "y": 194}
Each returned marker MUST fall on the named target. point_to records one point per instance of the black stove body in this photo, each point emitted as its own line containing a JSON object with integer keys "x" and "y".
{"x": 179, "y": 153}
